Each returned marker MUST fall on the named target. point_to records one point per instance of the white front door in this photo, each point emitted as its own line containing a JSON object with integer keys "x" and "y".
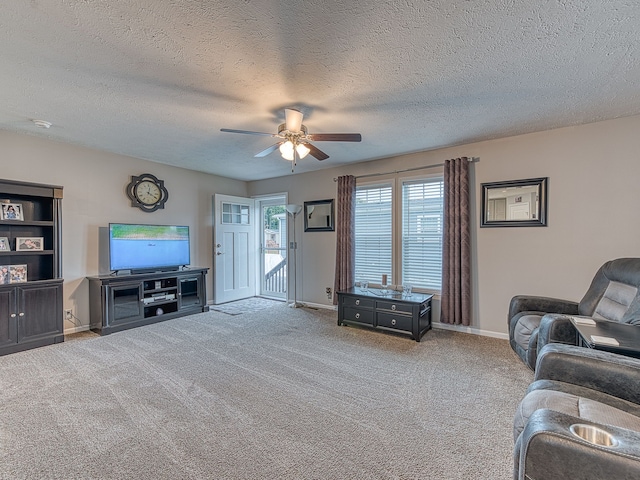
{"x": 234, "y": 252}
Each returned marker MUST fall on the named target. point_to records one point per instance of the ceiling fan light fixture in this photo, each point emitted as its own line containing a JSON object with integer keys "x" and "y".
{"x": 302, "y": 150}
{"x": 294, "y": 140}
{"x": 286, "y": 150}
{"x": 293, "y": 119}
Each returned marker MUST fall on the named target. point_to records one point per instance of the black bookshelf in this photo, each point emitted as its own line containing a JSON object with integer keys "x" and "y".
{"x": 31, "y": 302}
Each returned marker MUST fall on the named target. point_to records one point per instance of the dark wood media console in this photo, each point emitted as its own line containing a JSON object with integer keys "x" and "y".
{"x": 119, "y": 302}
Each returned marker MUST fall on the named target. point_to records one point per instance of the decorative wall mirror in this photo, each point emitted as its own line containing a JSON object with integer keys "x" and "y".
{"x": 318, "y": 216}
{"x": 516, "y": 203}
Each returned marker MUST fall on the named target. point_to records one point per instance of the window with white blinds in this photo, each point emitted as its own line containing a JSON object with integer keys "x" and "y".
{"x": 374, "y": 232}
{"x": 422, "y": 229}
{"x": 416, "y": 256}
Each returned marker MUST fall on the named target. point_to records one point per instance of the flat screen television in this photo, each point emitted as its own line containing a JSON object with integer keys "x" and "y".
{"x": 145, "y": 248}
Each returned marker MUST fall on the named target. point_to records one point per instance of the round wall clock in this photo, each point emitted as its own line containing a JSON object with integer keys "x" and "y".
{"x": 147, "y": 192}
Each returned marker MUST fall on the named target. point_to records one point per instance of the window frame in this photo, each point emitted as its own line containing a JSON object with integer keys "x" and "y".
{"x": 396, "y": 183}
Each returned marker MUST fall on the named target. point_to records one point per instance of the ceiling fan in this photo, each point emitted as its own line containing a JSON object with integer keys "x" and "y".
{"x": 295, "y": 139}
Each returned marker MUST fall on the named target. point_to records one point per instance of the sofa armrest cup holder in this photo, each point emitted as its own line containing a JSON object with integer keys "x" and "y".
{"x": 594, "y": 435}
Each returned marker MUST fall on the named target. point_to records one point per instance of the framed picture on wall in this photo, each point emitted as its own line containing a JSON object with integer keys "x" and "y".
{"x": 12, "y": 211}
{"x": 29, "y": 243}
{"x": 4, "y": 244}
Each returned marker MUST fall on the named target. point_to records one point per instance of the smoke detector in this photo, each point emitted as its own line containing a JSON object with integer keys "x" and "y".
{"x": 41, "y": 123}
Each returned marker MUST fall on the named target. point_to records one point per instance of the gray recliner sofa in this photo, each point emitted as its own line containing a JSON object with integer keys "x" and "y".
{"x": 580, "y": 418}
{"x": 536, "y": 321}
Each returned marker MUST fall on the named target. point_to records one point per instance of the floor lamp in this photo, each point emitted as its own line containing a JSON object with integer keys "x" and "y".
{"x": 294, "y": 210}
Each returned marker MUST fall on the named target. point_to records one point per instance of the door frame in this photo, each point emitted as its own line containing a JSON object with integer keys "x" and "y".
{"x": 261, "y": 201}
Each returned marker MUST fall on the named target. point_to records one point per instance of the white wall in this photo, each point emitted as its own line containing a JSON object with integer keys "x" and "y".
{"x": 593, "y": 175}
{"x": 94, "y": 195}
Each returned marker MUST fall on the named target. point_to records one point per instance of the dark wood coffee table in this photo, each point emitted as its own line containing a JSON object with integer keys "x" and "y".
{"x": 627, "y": 336}
{"x": 389, "y": 311}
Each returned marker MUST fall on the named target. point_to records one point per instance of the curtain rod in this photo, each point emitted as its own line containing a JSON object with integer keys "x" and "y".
{"x": 470, "y": 159}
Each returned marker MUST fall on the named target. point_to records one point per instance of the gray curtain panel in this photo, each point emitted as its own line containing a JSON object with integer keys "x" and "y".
{"x": 456, "y": 254}
{"x": 345, "y": 235}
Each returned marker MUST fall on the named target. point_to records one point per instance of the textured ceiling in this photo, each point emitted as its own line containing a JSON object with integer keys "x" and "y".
{"x": 157, "y": 79}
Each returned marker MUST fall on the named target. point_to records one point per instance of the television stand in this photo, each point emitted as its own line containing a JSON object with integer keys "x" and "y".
{"x": 120, "y": 302}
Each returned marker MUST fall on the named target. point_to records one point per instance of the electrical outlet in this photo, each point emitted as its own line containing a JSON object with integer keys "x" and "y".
{"x": 328, "y": 292}
{"x": 68, "y": 314}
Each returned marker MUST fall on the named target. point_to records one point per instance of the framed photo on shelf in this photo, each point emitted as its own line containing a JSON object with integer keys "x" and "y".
{"x": 5, "y": 278}
{"x": 17, "y": 273}
{"x": 29, "y": 243}
{"x": 12, "y": 211}
{"x": 4, "y": 244}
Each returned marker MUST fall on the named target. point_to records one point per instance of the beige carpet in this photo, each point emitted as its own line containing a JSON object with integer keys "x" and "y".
{"x": 247, "y": 305}
{"x": 277, "y": 394}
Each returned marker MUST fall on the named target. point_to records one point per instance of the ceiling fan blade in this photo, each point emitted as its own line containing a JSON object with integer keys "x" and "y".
{"x": 335, "y": 137}
{"x": 230, "y": 130}
{"x": 269, "y": 150}
{"x": 316, "y": 152}
{"x": 293, "y": 119}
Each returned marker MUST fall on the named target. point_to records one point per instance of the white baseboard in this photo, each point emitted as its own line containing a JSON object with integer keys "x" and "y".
{"x": 472, "y": 330}
{"x": 78, "y": 329}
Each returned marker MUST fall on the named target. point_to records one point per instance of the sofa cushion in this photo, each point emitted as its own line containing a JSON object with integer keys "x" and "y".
{"x": 579, "y": 407}
{"x": 609, "y": 278}
{"x": 526, "y": 324}
{"x": 590, "y": 393}
{"x": 615, "y": 301}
